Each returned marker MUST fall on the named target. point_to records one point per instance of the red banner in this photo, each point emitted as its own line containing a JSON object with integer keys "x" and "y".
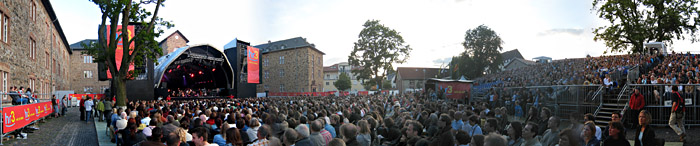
{"x": 118, "y": 54}
{"x": 454, "y": 90}
{"x": 253, "y": 65}
{"x": 16, "y": 117}
{"x": 93, "y": 96}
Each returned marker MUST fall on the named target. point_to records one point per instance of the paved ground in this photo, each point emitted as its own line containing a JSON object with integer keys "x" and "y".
{"x": 62, "y": 131}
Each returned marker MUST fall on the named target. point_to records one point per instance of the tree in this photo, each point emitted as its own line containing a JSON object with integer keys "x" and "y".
{"x": 482, "y": 52}
{"x": 387, "y": 84}
{"x": 635, "y": 22}
{"x": 125, "y": 13}
{"x": 376, "y": 50}
{"x": 343, "y": 82}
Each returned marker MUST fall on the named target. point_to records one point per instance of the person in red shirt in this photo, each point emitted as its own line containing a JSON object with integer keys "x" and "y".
{"x": 636, "y": 105}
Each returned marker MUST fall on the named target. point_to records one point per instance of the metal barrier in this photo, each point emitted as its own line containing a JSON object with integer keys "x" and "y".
{"x": 657, "y": 99}
{"x": 561, "y": 99}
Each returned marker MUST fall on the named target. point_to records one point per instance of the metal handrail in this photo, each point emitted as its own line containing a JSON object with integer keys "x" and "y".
{"x": 600, "y": 105}
{"x": 595, "y": 95}
{"x": 619, "y": 96}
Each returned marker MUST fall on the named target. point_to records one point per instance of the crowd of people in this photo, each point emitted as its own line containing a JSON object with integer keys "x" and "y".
{"x": 580, "y": 71}
{"x": 396, "y": 120}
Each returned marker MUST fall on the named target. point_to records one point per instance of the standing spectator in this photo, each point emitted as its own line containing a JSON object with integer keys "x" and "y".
{"x": 616, "y": 137}
{"x": 676, "y": 121}
{"x": 645, "y": 135}
{"x": 107, "y": 109}
{"x": 518, "y": 110}
{"x": 99, "y": 109}
{"x": 54, "y": 104}
{"x": 529, "y": 133}
{"x": 252, "y": 132}
{"x": 636, "y": 104}
{"x": 64, "y": 105}
{"x": 544, "y": 122}
{"x": 551, "y": 135}
{"x": 589, "y": 130}
{"x": 515, "y": 132}
{"x": 82, "y": 108}
{"x": 88, "y": 109}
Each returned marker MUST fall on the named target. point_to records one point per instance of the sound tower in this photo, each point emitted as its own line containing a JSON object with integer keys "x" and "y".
{"x": 237, "y": 58}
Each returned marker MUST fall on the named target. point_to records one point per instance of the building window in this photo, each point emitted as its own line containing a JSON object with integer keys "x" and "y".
{"x": 312, "y": 61}
{"x": 31, "y": 85}
{"x": 281, "y": 87}
{"x": 32, "y": 48}
{"x": 5, "y": 24}
{"x": 327, "y": 83}
{"x": 328, "y": 76}
{"x": 266, "y": 87}
{"x": 33, "y": 11}
{"x": 265, "y": 62}
{"x": 281, "y": 59}
{"x": 87, "y": 74}
{"x": 266, "y": 74}
{"x": 282, "y": 73}
{"x": 4, "y": 84}
{"x": 46, "y": 64}
{"x": 87, "y": 59}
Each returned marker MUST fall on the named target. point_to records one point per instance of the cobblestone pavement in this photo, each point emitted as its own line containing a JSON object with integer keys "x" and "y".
{"x": 62, "y": 131}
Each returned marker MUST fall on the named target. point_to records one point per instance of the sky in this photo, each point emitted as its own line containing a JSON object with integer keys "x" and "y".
{"x": 435, "y": 29}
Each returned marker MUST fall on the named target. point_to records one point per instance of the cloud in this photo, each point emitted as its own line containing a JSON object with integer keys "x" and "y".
{"x": 572, "y": 31}
{"x": 441, "y": 61}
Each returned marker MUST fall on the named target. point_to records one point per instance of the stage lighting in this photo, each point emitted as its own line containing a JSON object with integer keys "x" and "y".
{"x": 200, "y": 72}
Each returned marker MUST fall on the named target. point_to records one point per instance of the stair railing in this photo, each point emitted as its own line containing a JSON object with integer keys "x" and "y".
{"x": 600, "y": 104}
{"x": 627, "y": 104}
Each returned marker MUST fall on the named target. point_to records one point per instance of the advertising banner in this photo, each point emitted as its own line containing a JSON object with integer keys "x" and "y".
{"x": 16, "y": 117}
{"x": 253, "y": 65}
{"x": 93, "y": 96}
{"x": 118, "y": 54}
{"x": 454, "y": 90}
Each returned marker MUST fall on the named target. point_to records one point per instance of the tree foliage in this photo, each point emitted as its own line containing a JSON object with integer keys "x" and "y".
{"x": 635, "y": 22}
{"x": 343, "y": 82}
{"x": 376, "y": 50}
{"x": 125, "y": 13}
{"x": 482, "y": 53}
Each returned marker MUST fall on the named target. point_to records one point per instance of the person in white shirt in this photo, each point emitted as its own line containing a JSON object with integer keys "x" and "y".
{"x": 88, "y": 109}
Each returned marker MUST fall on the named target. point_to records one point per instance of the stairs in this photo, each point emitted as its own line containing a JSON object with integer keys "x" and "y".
{"x": 611, "y": 104}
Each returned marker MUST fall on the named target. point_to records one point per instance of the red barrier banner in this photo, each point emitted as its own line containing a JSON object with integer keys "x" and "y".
{"x": 93, "y": 96}
{"x": 16, "y": 117}
{"x": 454, "y": 90}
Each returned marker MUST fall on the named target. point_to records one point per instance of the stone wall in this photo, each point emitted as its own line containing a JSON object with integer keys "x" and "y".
{"x": 301, "y": 72}
{"x": 78, "y": 79}
{"x": 45, "y": 70}
{"x": 173, "y": 42}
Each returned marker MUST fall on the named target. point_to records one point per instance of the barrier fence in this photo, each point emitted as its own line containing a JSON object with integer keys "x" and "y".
{"x": 657, "y": 99}
{"x": 19, "y": 116}
{"x": 561, "y": 99}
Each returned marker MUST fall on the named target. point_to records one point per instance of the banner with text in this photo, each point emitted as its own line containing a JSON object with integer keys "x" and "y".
{"x": 16, "y": 117}
{"x": 118, "y": 54}
{"x": 454, "y": 90}
{"x": 253, "y": 65}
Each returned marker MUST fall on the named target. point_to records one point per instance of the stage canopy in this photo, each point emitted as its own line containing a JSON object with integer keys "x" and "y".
{"x": 194, "y": 67}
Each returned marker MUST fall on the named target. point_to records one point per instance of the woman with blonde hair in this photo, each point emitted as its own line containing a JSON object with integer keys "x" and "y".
{"x": 645, "y": 135}
{"x": 364, "y": 137}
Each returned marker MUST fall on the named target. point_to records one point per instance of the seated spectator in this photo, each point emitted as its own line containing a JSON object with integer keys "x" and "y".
{"x": 616, "y": 138}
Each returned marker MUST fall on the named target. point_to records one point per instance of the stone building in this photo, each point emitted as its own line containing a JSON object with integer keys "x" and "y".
{"x": 83, "y": 72}
{"x": 34, "y": 51}
{"x": 172, "y": 42}
{"x": 292, "y": 65}
{"x": 332, "y": 74}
